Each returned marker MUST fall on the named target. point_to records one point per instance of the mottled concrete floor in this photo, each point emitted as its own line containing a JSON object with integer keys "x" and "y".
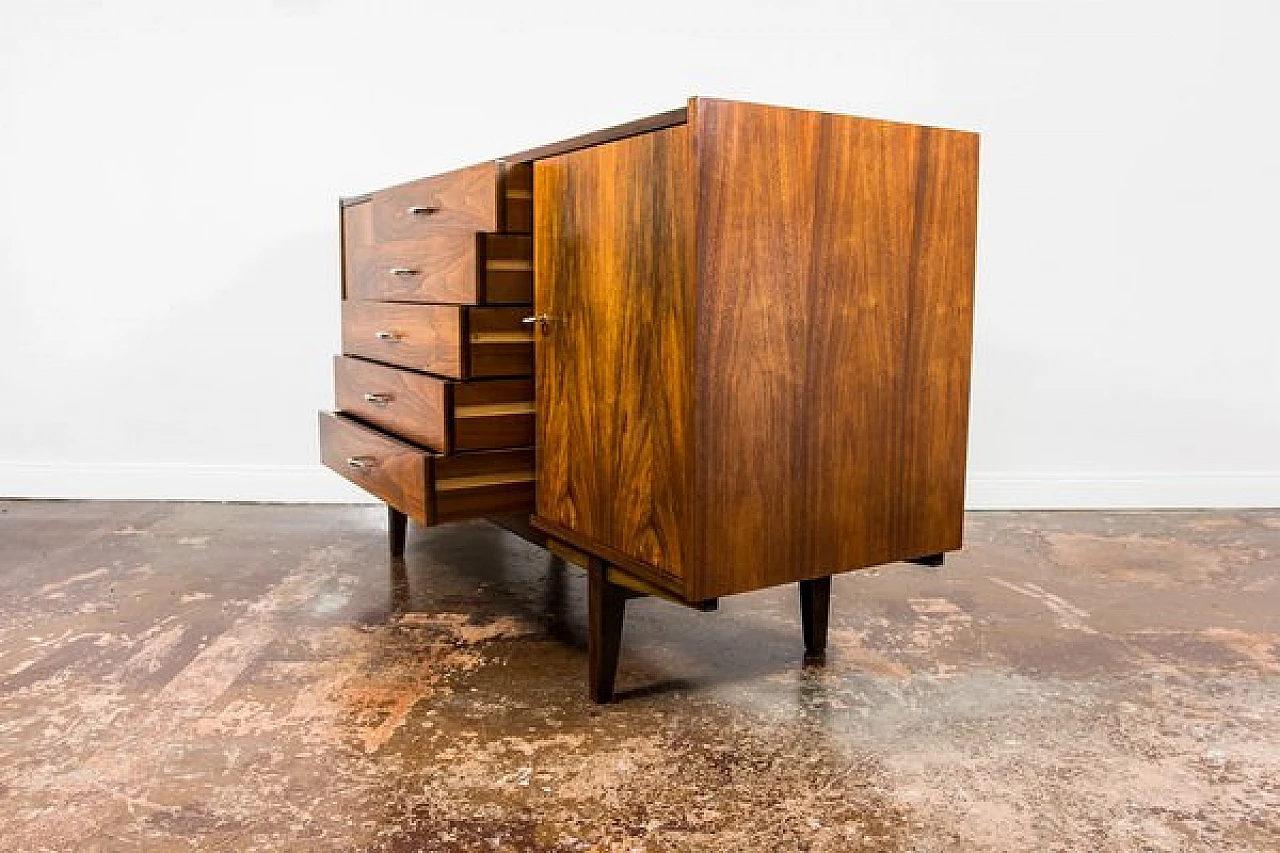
{"x": 213, "y": 677}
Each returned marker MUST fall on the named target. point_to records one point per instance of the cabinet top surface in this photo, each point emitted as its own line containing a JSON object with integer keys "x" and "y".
{"x": 647, "y": 124}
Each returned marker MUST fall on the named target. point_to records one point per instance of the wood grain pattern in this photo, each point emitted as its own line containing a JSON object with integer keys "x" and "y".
{"x": 835, "y": 271}
{"x": 429, "y": 338}
{"x": 356, "y": 231}
{"x": 757, "y": 365}
{"x": 429, "y": 488}
{"x": 586, "y": 544}
{"x": 456, "y": 341}
{"x": 439, "y": 265}
{"x": 613, "y": 264}
{"x": 412, "y": 405}
{"x": 515, "y": 190}
{"x": 467, "y": 199}
{"x": 396, "y": 472}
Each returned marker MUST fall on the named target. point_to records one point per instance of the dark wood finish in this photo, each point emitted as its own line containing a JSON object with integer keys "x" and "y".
{"x": 459, "y": 342}
{"x": 447, "y": 267}
{"x": 640, "y": 588}
{"x": 429, "y": 488}
{"x": 439, "y": 414}
{"x": 614, "y": 262}
{"x": 753, "y": 367}
{"x": 425, "y": 337}
{"x": 475, "y": 198}
{"x": 438, "y": 265}
{"x": 835, "y": 294}
{"x": 493, "y": 413}
{"x": 613, "y": 556}
{"x": 606, "y": 610}
{"x": 833, "y": 290}
{"x": 516, "y": 194}
{"x": 411, "y": 405}
{"x": 394, "y": 471}
{"x": 518, "y": 523}
{"x": 815, "y": 609}
{"x": 933, "y": 561}
{"x": 634, "y": 584}
{"x": 671, "y": 118}
{"x": 397, "y": 530}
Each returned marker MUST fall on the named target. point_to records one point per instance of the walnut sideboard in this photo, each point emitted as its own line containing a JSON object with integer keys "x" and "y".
{"x": 702, "y": 353}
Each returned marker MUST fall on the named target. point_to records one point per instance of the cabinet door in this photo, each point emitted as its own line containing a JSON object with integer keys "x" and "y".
{"x": 614, "y": 265}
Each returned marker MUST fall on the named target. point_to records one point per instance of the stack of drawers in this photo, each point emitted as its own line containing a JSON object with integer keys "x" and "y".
{"x": 434, "y": 386}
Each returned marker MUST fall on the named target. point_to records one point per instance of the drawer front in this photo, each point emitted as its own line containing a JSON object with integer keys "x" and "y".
{"x": 411, "y": 405}
{"x": 444, "y": 266}
{"x": 455, "y": 341}
{"x": 430, "y": 489}
{"x": 439, "y": 414}
{"x": 423, "y": 337}
{"x": 493, "y": 413}
{"x": 485, "y": 197}
{"x": 382, "y": 466}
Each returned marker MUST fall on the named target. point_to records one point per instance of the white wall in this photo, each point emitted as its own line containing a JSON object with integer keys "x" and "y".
{"x": 168, "y": 250}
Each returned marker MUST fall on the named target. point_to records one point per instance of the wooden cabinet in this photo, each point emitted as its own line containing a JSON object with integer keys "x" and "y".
{"x": 749, "y": 338}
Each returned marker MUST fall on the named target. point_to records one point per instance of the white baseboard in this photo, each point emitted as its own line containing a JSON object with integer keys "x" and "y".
{"x": 316, "y": 484}
{"x": 140, "y": 481}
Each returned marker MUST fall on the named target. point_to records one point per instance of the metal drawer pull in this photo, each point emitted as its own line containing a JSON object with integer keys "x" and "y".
{"x": 422, "y": 210}
{"x": 403, "y": 271}
{"x": 541, "y": 320}
{"x": 361, "y": 462}
{"x": 378, "y": 399}
{"x": 384, "y": 335}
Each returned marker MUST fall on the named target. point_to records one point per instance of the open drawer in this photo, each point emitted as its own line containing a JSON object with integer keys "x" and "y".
{"x": 439, "y": 414}
{"x": 428, "y": 487}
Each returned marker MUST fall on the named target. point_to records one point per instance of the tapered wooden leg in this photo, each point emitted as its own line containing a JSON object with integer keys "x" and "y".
{"x": 397, "y": 530}
{"x": 933, "y": 561}
{"x": 815, "y": 605}
{"x": 401, "y": 594}
{"x": 606, "y": 607}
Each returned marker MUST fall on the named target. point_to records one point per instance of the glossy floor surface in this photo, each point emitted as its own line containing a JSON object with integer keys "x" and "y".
{"x": 220, "y": 677}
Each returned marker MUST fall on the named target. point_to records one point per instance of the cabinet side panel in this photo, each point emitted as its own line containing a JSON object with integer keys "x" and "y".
{"x": 613, "y": 261}
{"x": 834, "y": 314}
